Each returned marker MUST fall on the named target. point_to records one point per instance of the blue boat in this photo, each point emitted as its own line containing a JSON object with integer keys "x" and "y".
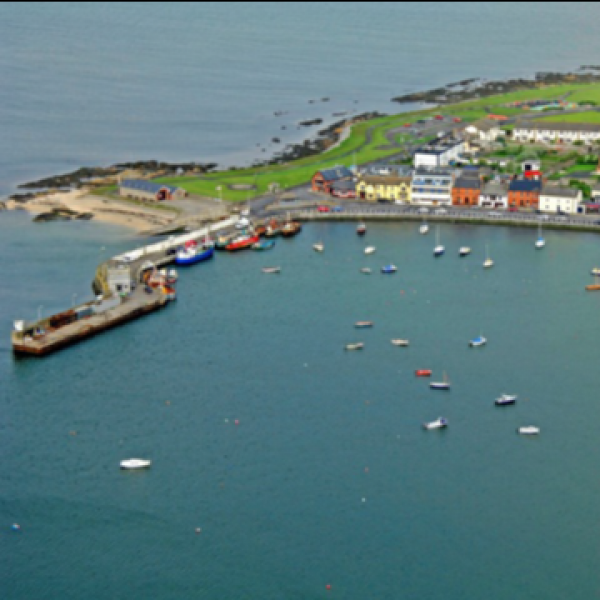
{"x": 192, "y": 255}
{"x": 266, "y": 245}
{"x": 389, "y": 269}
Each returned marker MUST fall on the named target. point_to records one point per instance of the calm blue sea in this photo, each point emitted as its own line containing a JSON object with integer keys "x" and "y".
{"x": 327, "y": 478}
{"x": 96, "y": 83}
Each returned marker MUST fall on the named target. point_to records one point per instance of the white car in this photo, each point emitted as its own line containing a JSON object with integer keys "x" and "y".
{"x": 494, "y": 214}
{"x": 441, "y": 211}
{"x": 423, "y": 210}
{"x": 544, "y": 217}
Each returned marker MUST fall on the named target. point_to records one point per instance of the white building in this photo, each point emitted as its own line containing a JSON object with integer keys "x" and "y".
{"x": 566, "y": 133}
{"x": 439, "y": 152}
{"x": 596, "y": 193}
{"x": 432, "y": 187}
{"x": 485, "y": 130}
{"x": 560, "y": 199}
{"x": 119, "y": 279}
{"x": 494, "y": 195}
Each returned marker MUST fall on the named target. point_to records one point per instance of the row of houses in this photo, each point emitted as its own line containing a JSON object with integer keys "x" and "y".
{"x": 439, "y": 186}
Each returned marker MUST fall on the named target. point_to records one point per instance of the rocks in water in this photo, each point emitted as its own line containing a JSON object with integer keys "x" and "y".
{"x": 22, "y": 197}
{"x": 310, "y": 122}
{"x": 62, "y": 214}
{"x": 324, "y": 99}
{"x": 276, "y": 140}
{"x": 87, "y": 216}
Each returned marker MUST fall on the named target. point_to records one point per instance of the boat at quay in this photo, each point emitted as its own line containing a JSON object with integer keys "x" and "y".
{"x": 194, "y": 254}
{"x": 242, "y": 242}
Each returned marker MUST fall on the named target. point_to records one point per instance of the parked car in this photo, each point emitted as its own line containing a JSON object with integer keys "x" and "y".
{"x": 423, "y": 210}
{"x": 494, "y": 214}
{"x": 441, "y": 211}
{"x": 323, "y": 209}
{"x": 337, "y": 209}
{"x": 513, "y": 209}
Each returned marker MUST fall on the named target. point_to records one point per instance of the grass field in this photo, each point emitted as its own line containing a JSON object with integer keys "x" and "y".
{"x": 584, "y": 117}
{"x": 367, "y": 142}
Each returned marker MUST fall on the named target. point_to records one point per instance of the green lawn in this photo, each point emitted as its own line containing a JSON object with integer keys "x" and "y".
{"x": 584, "y": 117}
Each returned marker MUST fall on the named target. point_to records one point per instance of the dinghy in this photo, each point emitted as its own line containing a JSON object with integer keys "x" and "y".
{"x": 363, "y": 324}
{"x": 388, "y": 269}
{"x": 464, "y": 251}
{"x": 366, "y": 271}
{"x": 272, "y": 270}
{"x": 478, "y": 341}
{"x": 357, "y": 346}
{"x": 318, "y": 247}
{"x": 132, "y": 464}
{"x": 529, "y": 430}
{"x": 440, "y": 423}
{"x": 506, "y": 400}
{"x": 402, "y": 343}
{"x": 370, "y": 250}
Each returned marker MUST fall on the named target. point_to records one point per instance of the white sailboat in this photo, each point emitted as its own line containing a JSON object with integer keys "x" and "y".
{"x": 319, "y": 247}
{"x": 439, "y": 249}
{"x": 489, "y": 263}
{"x": 540, "y": 242}
{"x": 440, "y": 385}
{"x": 370, "y": 250}
{"x": 464, "y": 251}
{"x": 424, "y": 229}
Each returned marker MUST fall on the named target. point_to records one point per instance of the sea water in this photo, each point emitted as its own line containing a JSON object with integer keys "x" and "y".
{"x": 283, "y": 464}
{"x": 84, "y": 84}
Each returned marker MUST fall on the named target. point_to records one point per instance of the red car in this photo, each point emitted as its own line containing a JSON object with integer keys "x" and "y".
{"x": 323, "y": 209}
{"x": 513, "y": 209}
{"x": 407, "y": 124}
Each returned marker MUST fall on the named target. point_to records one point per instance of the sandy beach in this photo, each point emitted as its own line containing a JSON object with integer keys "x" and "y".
{"x": 105, "y": 210}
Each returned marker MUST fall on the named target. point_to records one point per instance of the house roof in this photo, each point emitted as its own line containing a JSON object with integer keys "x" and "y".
{"x": 467, "y": 183}
{"x": 495, "y": 188}
{"x": 143, "y": 185}
{"x": 344, "y": 185}
{"x": 560, "y": 192}
{"x": 336, "y": 173}
{"x": 545, "y": 126}
{"x": 522, "y": 185}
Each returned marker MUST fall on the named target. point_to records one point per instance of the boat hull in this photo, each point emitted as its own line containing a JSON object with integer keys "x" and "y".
{"x": 247, "y": 243}
{"x": 423, "y": 373}
{"x": 198, "y": 258}
{"x": 443, "y": 387}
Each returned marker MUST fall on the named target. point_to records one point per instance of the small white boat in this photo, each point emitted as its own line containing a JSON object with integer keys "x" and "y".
{"x": 370, "y": 250}
{"x": 132, "y": 464}
{"x": 389, "y": 269}
{"x": 540, "y": 242}
{"x": 464, "y": 251}
{"x": 272, "y": 270}
{"x": 319, "y": 247}
{"x": 478, "y": 341}
{"x": 403, "y": 343}
{"x": 172, "y": 276}
{"x": 439, "y": 249}
{"x": 363, "y": 324}
{"x": 529, "y": 430}
{"x": 506, "y": 400}
{"x": 440, "y": 423}
{"x": 595, "y": 272}
{"x": 489, "y": 263}
{"x": 357, "y": 346}
{"x": 440, "y": 385}
{"x": 366, "y": 271}
{"x": 424, "y": 229}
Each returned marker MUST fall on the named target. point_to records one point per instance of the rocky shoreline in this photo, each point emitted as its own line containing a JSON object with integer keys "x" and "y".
{"x": 474, "y": 89}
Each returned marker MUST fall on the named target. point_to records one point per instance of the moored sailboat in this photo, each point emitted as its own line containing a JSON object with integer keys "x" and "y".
{"x": 439, "y": 249}
{"x": 361, "y": 229}
{"x": 440, "y": 385}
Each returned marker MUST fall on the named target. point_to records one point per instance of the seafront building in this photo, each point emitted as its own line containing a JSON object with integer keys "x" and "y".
{"x": 494, "y": 195}
{"x": 432, "y": 187}
{"x": 560, "y": 199}
{"x": 394, "y": 187}
{"x": 466, "y": 190}
{"x": 523, "y": 193}
{"x": 440, "y": 152}
{"x": 485, "y": 130}
{"x": 325, "y": 179}
{"x": 149, "y": 191}
{"x": 567, "y": 133}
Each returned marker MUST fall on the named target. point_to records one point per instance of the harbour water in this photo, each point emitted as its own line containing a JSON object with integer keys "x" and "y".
{"x": 303, "y": 465}
{"x": 93, "y": 84}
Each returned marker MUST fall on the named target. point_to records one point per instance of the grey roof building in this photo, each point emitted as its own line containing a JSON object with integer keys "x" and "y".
{"x": 149, "y": 190}
{"x": 468, "y": 183}
{"x": 525, "y": 185}
{"x": 560, "y": 191}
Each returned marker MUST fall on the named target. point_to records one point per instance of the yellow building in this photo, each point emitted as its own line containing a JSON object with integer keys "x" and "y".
{"x": 384, "y": 187}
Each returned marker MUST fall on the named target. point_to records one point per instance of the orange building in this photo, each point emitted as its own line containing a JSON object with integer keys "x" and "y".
{"x": 466, "y": 191}
{"x": 524, "y": 193}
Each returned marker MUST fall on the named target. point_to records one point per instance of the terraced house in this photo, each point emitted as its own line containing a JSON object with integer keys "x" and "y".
{"x": 524, "y": 193}
{"x": 395, "y": 188}
{"x": 466, "y": 191}
{"x": 560, "y": 133}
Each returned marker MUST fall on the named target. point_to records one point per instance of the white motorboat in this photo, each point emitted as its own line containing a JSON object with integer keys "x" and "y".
{"x": 389, "y": 269}
{"x": 403, "y": 343}
{"x": 366, "y": 271}
{"x": 595, "y": 271}
{"x": 132, "y": 464}
{"x": 464, "y": 251}
{"x": 363, "y": 324}
{"x": 319, "y": 247}
{"x": 478, "y": 341}
{"x": 370, "y": 250}
{"x": 528, "y": 430}
{"x": 440, "y": 423}
{"x": 357, "y": 346}
{"x": 506, "y": 400}
{"x": 272, "y": 270}
{"x": 424, "y": 229}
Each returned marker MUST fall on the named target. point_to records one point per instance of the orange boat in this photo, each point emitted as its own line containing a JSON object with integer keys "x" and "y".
{"x": 423, "y": 373}
{"x": 593, "y": 288}
{"x": 243, "y": 241}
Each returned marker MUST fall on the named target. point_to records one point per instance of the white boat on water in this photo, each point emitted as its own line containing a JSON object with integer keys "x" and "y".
{"x": 402, "y": 343}
{"x": 506, "y": 400}
{"x": 366, "y": 271}
{"x": 464, "y": 251}
{"x": 440, "y": 423}
{"x": 478, "y": 341}
{"x": 439, "y": 249}
{"x": 272, "y": 270}
{"x": 132, "y": 464}
{"x": 357, "y": 346}
{"x": 440, "y": 385}
{"x": 528, "y": 430}
{"x": 540, "y": 242}
{"x": 370, "y": 250}
{"x": 489, "y": 263}
{"x": 424, "y": 229}
{"x": 319, "y": 247}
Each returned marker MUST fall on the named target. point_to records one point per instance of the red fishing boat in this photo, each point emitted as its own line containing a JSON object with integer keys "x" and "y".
{"x": 423, "y": 373}
{"x": 242, "y": 241}
{"x": 361, "y": 229}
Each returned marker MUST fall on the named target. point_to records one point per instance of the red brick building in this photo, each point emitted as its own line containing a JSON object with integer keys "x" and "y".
{"x": 324, "y": 181}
